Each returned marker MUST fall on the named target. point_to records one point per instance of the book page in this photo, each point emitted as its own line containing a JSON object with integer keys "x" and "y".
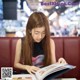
{"x": 43, "y": 72}
{"x": 47, "y": 68}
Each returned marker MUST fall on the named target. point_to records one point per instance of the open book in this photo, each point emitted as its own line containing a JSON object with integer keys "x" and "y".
{"x": 48, "y": 70}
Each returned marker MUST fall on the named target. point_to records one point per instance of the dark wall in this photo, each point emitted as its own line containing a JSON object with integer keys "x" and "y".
{"x": 10, "y": 10}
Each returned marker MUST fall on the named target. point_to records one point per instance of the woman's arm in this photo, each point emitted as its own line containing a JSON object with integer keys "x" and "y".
{"x": 60, "y": 60}
{"x": 52, "y": 45}
{"x": 17, "y": 64}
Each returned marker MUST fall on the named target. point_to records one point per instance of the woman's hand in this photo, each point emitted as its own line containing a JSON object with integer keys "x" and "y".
{"x": 62, "y": 60}
{"x": 31, "y": 69}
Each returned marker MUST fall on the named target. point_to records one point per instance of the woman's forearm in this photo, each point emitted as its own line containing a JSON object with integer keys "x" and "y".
{"x": 20, "y": 66}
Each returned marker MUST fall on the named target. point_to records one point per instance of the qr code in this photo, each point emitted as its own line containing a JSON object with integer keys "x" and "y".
{"x": 6, "y": 72}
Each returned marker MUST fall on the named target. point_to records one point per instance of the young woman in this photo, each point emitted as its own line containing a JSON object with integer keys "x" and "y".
{"x": 36, "y": 49}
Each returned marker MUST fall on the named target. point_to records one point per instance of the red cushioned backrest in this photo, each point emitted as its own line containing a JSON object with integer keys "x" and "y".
{"x": 4, "y": 52}
{"x": 13, "y": 47}
{"x": 72, "y": 55}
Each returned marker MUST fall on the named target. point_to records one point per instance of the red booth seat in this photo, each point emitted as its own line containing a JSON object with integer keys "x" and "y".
{"x": 66, "y": 47}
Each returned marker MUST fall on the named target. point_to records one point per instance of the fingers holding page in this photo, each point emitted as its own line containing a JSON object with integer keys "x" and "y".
{"x": 62, "y": 60}
{"x": 32, "y": 69}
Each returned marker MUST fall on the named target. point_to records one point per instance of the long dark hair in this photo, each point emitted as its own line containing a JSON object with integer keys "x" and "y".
{"x": 37, "y": 19}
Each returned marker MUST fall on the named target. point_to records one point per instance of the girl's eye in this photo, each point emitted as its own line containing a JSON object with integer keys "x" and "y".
{"x": 43, "y": 33}
{"x": 36, "y": 33}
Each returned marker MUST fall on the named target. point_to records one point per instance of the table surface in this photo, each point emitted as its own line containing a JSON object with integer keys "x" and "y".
{"x": 29, "y": 77}
{"x": 51, "y": 79}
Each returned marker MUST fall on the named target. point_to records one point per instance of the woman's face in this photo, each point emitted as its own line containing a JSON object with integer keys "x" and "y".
{"x": 38, "y": 34}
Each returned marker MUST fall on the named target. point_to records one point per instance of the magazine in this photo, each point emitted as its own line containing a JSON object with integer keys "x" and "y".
{"x": 45, "y": 71}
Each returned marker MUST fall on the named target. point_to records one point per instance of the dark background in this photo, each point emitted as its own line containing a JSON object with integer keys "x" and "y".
{"x": 10, "y": 9}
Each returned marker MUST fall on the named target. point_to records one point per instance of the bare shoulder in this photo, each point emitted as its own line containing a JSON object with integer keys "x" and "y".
{"x": 18, "y": 42}
{"x": 18, "y": 46}
{"x": 52, "y": 42}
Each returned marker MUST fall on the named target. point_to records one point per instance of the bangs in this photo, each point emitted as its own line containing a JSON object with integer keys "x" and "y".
{"x": 39, "y": 25}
